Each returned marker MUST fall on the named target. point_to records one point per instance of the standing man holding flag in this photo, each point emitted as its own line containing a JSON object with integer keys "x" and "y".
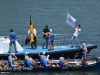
{"x": 34, "y": 33}
{"x": 75, "y": 36}
{"x": 70, "y": 21}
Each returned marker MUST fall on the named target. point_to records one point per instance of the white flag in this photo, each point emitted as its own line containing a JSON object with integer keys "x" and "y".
{"x": 70, "y": 20}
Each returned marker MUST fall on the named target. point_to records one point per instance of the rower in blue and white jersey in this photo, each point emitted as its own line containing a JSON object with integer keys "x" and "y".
{"x": 29, "y": 63}
{"x": 84, "y": 54}
{"x": 43, "y": 60}
{"x": 11, "y": 62}
{"x": 62, "y": 61}
{"x": 26, "y": 58}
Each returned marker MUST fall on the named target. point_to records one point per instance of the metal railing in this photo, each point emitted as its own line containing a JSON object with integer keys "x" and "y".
{"x": 59, "y": 39}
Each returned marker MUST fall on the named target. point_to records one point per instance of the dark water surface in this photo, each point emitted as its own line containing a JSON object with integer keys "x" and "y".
{"x": 14, "y": 14}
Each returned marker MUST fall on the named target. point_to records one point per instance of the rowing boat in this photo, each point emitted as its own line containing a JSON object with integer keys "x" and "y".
{"x": 93, "y": 64}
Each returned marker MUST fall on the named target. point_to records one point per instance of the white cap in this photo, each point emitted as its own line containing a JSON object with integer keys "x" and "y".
{"x": 12, "y": 53}
{"x": 26, "y": 52}
{"x": 84, "y": 44}
{"x": 43, "y": 52}
{"x": 50, "y": 30}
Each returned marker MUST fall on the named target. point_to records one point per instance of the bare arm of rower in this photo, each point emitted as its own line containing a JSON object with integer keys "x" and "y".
{"x": 43, "y": 33}
{"x": 34, "y": 62}
{"x": 14, "y": 57}
{"x": 86, "y": 50}
{"x": 63, "y": 60}
{"x": 38, "y": 54}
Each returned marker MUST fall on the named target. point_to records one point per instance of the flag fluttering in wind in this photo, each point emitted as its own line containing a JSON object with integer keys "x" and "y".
{"x": 31, "y": 30}
{"x": 70, "y": 20}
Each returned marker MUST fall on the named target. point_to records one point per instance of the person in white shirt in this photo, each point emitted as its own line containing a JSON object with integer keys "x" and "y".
{"x": 34, "y": 32}
{"x": 75, "y": 35}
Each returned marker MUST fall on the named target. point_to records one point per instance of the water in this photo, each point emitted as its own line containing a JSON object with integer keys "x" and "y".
{"x": 15, "y": 14}
{"x": 54, "y": 73}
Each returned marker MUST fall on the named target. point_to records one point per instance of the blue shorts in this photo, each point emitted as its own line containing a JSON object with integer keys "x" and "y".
{"x": 84, "y": 55}
{"x": 51, "y": 40}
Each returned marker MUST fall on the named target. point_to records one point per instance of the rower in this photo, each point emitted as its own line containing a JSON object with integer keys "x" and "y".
{"x": 43, "y": 60}
{"x": 32, "y": 61}
{"x": 26, "y": 58}
{"x": 11, "y": 62}
{"x": 84, "y": 54}
{"x": 48, "y": 61}
{"x": 62, "y": 61}
{"x": 28, "y": 61}
{"x": 2, "y": 65}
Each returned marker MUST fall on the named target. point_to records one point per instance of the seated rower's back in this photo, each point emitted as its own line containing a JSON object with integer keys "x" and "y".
{"x": 26, "y": 58}
{"x": 28, "y": 61}
{"x": 43, "y": 60}
{"x": 11, "y": 62}
{"x": 32, "y": 61}
{"x": 62, "y": 61}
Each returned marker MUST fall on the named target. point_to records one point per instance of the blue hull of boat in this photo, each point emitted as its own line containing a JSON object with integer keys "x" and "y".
{"x": 46, "y": 69}
{"x": 68, "y": 52}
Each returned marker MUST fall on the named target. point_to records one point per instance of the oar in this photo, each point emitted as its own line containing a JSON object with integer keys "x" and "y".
{"x": 61, "y": 70}
{"x": 45, "y": 70}
{"x": 81, "y": 71}
{"x": 75, "y": 67}
{"x": 93, "y": 57}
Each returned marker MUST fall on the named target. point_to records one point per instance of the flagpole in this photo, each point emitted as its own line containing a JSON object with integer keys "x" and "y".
{"x": 70, "y": 20}
{"x": 65, "y": 30}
